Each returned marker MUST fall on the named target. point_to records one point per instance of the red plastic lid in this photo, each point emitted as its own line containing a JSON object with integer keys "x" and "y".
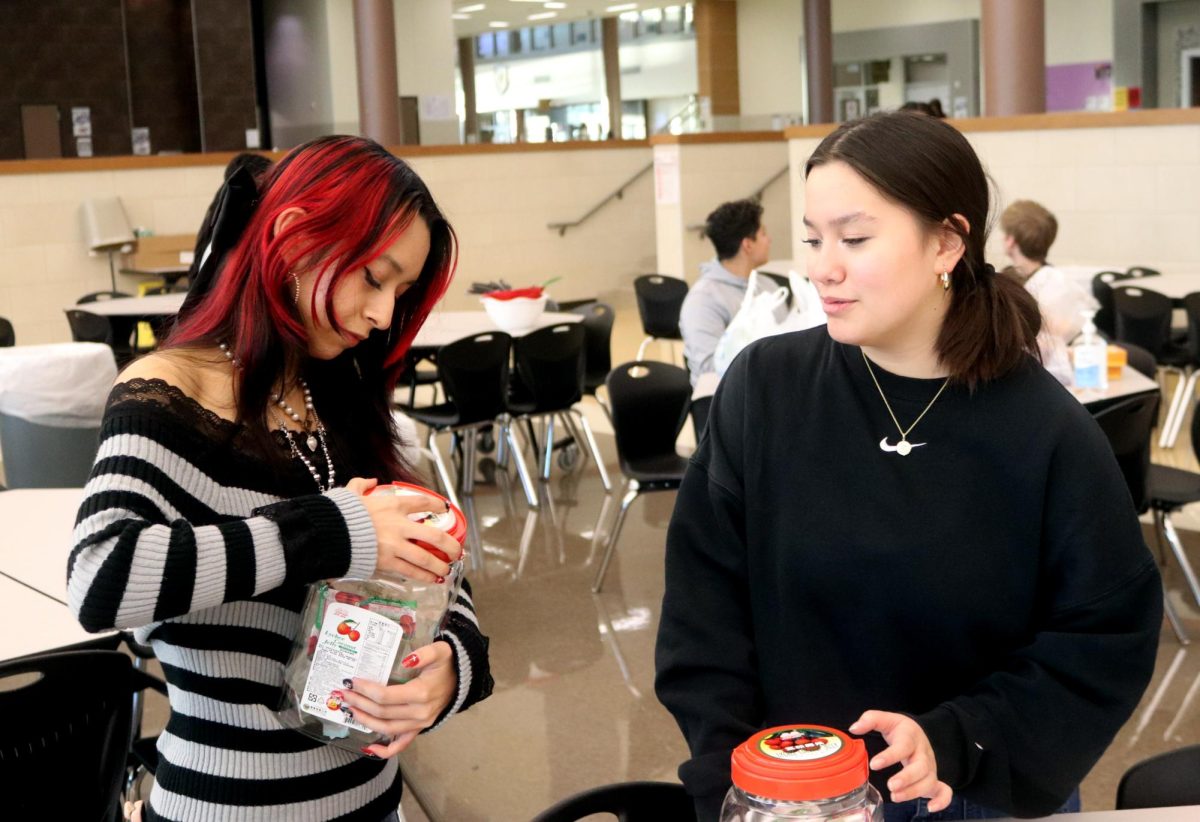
{"x": 451, "y": 521}
{"x": 800, "y": 762}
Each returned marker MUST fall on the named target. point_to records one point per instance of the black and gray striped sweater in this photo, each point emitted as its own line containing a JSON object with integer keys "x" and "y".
{"x": 206, "y": 551}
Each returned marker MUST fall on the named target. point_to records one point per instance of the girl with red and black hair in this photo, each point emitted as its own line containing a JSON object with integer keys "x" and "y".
{"x": 231, "y": 473}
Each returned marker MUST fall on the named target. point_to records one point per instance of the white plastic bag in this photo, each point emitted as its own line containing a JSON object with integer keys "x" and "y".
{"x": 761, "y": 312}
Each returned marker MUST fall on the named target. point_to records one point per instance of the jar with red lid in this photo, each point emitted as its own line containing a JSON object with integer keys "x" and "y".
{"x": 805, "y": 772}
{"x": 364, "y": 628}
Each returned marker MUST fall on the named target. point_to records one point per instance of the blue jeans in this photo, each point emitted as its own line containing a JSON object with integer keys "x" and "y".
{"x": 915, "y": 810}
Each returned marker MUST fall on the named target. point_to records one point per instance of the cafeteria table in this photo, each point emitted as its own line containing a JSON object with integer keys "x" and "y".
{"x": 443, "y": 327}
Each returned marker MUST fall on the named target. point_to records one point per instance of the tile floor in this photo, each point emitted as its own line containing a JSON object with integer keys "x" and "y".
{"x": 574, "y": 705}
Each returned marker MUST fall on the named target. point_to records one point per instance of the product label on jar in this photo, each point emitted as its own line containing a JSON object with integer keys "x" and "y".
{"x": 800, "y": 744}
{"x": 352, "y": 642}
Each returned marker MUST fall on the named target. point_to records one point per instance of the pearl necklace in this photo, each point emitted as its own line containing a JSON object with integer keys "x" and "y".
{"x": 312, "y": 440}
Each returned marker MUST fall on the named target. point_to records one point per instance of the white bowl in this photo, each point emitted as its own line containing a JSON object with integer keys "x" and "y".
{"x": 517, "y": 314}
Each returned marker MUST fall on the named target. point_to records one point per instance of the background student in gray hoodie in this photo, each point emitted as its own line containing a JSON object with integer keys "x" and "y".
{"x": 742, "y": 244}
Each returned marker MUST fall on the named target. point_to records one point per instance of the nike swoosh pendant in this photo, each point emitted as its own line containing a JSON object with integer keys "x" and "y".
{"x": 903, "y": 448}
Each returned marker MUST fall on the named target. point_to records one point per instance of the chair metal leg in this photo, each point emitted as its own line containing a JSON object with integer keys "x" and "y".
{"x": 594, "y": 448}
{"x": 1173, "y": 410}
{"x": 1173, "y": 618}
{"x": 630, "y": 496}
{"x": 440, "y": 464}
{"x": 641, "y": 355}
{"x": 548, "y": 456}
{"x": 522, "y": 471}
{"x": 502, "y": 442}
{"x": 1185, "y": 402}
{"x": 531, "y": 518}
{"x": 470, "y": 443}
{"x": 1180, "y": 557}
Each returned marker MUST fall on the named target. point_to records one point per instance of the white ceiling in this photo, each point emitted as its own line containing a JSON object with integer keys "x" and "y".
{"x": 516, "y": 12}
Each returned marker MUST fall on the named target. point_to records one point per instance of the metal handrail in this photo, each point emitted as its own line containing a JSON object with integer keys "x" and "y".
{"x": 692, "y": 104}
{"x": 756, "y": 196}
{"x": 615, "y": 195}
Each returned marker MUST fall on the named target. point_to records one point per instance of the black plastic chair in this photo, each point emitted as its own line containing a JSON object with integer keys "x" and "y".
{"x": 89, "y": 327}
{"x": 414, "y": 376}
{"x": 659, "y": 301}
{"x": 1186, "y": 388}
{"x": 650, "y": 402}
{"x": 68, "y": 712}
{"x": 1102, "y": 290}
{"x": 1169, "y": 489}
{"x": 1144, "y": 319}
{"x": 628, "y": 801}
{"x": 1142, "y": 271}
{"x": 474, "y": 373}
{"x": 97, "y": 296}
{"x": 597, "y": 343}
{"x": 1127, "y": 424}
{"x": 8, "y": 337}
{"x": 548, "y": 383}
{"x": 1167, "y": 780}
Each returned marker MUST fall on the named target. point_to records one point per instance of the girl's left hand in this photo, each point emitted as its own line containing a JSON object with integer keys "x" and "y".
{"x": 403, "y": 711}
{"x": 908, "y": 745}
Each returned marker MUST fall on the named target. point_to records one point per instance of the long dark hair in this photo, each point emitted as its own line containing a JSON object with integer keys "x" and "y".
{"x": 929, "y": 168}
{"x": 357, "y": 199}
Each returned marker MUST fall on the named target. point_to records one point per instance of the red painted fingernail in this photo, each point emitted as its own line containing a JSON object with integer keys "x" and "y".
{"x": 337, "y": 694}
{"x": 368, "y": 752}
{"x": 410, "y": 661}
{"x": 440, "y": 580}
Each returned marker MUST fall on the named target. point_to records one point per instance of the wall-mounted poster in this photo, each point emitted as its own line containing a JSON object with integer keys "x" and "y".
{"x": 83, "y": 146}
{"x": 81, "y": 122}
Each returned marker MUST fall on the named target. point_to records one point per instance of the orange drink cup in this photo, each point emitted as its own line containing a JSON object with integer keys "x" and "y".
{"x": 1117, "y": 358}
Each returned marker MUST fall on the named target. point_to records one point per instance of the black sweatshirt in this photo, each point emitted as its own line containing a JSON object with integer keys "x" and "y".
{"x": 993, "y": 584}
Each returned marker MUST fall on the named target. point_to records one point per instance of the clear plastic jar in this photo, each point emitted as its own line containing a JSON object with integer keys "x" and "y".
{"x": 364, "y": 628}
{"x": 805, "y": 772}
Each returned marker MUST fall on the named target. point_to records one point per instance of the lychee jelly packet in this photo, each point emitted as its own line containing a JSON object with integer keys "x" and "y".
{"x": 352, "y": 642}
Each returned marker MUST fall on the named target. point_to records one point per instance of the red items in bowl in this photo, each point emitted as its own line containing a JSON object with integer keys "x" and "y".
{"x": 533, "y": 292}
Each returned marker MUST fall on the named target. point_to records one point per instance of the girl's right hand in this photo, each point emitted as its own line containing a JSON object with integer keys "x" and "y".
{"x": 396, "y": 534}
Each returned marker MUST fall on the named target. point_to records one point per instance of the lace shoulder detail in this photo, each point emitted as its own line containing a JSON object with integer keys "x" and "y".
{"x": 156, "y": 395}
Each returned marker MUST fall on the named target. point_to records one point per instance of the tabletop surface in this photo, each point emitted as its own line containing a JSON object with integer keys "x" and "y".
{"x": 445, "y": 327}
{"x": 153, "y": 305}
{"x": 34, "y": 622}
{"x": 37, "y": 525}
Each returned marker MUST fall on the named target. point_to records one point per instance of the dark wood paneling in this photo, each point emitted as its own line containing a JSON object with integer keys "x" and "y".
{"x": 163, "y": 72}
{"x": 65, "y": 53}
{"x": 225, "y": 61}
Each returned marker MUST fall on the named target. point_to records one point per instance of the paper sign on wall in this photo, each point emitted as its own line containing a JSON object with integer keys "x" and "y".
{"x": 81, "y": 122}
{"x": 666, "y": 175}
{"x": 141, "y": 140}
{"x": 437, "y": 107}
{"x": 83, "y": 146}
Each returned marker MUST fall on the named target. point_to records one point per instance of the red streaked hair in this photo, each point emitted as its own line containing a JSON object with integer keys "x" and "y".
{"x": 357, "y": 198}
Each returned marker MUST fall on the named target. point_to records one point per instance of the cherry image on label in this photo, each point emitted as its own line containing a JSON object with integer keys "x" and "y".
{"x": 346, "y": 628}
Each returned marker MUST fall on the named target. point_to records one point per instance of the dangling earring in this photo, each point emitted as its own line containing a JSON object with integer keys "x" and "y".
{"x": 296, "y": 280}
{"x": 945, "y": 281}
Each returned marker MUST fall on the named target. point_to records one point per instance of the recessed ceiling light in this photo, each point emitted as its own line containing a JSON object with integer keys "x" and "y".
{"x": 498, "y": 24}
{"x": 460, "y": 17}
{"x": 622, "y": 7}
{"x": 543, "y": 15}
{"x": 555, "y": 5}
{"x": 476, "y": 7}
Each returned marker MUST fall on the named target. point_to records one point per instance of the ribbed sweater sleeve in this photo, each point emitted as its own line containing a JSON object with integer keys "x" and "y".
{"x": 138, "y": 559}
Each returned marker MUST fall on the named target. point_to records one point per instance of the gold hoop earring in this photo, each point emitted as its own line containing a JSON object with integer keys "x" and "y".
{"x": 945, "y": 281}
{"x": 296, "y": 280}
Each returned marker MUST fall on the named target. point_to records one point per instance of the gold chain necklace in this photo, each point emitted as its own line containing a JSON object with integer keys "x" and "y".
{"x": 904, "y": 447}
